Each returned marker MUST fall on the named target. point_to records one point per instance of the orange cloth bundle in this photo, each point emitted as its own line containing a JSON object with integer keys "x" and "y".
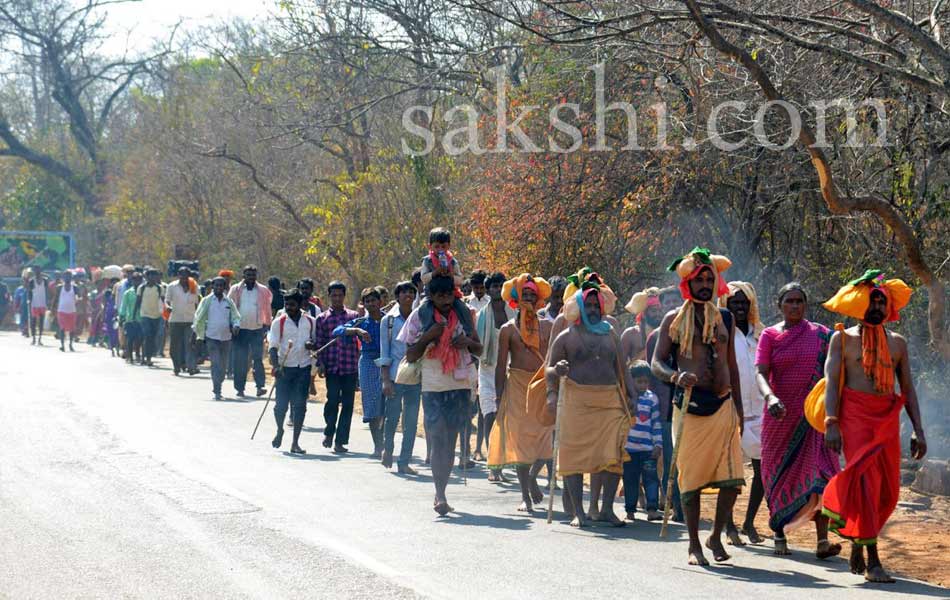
{"x": 853, "y": 300}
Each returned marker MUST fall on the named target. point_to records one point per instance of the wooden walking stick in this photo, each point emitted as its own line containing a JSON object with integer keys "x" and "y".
{"x": 290, "y": 344}
{"x": 557, "y": 444}
{"x": 678, "y": 425}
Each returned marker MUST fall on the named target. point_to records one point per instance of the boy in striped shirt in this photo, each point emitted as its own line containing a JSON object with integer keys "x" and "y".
{"x": 644, "y": 445}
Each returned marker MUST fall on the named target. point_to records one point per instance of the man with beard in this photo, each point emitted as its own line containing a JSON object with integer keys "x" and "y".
{"x": 670, "y": 299}
{"x": 699, "y": 337}
{"x": 864, "y": 420}
{"x": 573, "y": 285}
{"x": 289, "y": 342}
{"x": 744, "y": 306}
{"x": 595, "y": 415}
{"x": 520, "y": 440}
{"x": 447, "y": 373}
{"x": 217, "y": 321}
{"x": 253, "y": 301}
{"x": 488, "y": 323}
{"x": 645, "y": 306}
{"x": 556, "y": 301}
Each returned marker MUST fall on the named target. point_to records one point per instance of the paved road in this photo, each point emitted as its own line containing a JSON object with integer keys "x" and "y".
{"x": 120, "y": 481}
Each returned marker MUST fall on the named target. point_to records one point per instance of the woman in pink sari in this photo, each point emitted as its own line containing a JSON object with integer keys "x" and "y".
{"x": 796, "y": 466}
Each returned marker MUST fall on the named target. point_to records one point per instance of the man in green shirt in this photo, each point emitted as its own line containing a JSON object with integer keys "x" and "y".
{"x": 129, "y": 320}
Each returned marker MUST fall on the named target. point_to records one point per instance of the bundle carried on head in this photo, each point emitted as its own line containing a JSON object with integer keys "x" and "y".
{"x": 513, "y": 292}
{"x": 579, "y": 286}
{"x": 688, "y": 268}
{"x": 853, "y": 300}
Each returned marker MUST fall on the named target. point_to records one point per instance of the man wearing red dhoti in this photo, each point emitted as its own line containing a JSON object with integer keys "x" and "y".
{"x": 865, "y": 420}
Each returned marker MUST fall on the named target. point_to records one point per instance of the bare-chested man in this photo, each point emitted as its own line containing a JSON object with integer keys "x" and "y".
{"x": 646, "y": 307}
{"x": 560, "y": 324}
{"x": 520, "y": 439}
{"x": 595, "y": 415}
{"x": 865, "y": 420}
{"x": 700, "y": 338}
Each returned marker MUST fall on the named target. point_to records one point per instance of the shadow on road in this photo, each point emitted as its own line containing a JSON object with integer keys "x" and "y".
{"x": 493, "y": 521}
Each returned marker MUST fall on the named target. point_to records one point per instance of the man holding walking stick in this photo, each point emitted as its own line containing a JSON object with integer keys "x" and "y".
{"x": 699, "y": 337}
{"x": 595, "y": 412}
{"x": 290, "y": 340}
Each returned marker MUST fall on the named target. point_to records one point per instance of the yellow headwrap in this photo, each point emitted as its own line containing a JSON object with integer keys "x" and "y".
{"x": 683, "y": 324}
{"x": 746, "y": 288}
{"x": 571, "y": 310}
{"x": 853, "y": 301}
{"x": 638, "y": 303}
{"x": 528, "y": 323}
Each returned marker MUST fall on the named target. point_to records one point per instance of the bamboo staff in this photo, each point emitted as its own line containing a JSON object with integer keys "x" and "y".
{"x": 290, "y": 345}
{"x": 678, "y": 425}
{"x": 557, "y": 443}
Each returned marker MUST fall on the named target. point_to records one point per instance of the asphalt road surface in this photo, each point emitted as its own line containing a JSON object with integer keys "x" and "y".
{"x": 126, "y": 482}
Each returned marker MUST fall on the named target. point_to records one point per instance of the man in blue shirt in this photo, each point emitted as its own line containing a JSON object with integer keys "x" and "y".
{"x": 400, "y": 398}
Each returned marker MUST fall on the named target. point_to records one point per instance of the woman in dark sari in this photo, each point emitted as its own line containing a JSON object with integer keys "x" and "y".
{"x": 796, "y": 465}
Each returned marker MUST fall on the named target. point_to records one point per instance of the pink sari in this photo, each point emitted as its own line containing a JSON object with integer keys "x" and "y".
{"x": 796, "y": 466}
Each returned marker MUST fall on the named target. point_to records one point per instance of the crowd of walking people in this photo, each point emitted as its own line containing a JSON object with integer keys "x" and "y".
{"x": 541, "y": 374}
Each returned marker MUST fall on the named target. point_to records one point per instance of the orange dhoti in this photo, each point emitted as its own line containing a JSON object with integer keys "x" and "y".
{"x": 593, "y": 429}
{"x": 525, "y": 439}
{"x": 861, "y": 498}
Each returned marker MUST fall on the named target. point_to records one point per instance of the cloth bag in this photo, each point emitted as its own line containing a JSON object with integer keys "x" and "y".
{"x": 815, "y": 400}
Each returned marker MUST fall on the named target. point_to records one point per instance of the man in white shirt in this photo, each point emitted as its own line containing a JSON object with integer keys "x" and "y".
{"x": 36, "y": 295}
{"x": 478, "y": 299}
{"x": 290, "y": 340}
{"x": 216, "y": 321}
{"x": 253, "y": 301}
{"x": 181, "y": 298}
{"x": 742, "y": 303}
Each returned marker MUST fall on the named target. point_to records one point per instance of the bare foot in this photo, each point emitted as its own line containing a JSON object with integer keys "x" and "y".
{"x": 537, "y": 496}
{"x": 593, "y": 515}
{"x": 857, "y": 564}
{"x": 877, "y": 574}
{"x": 526, "y": 507}
{"x": 718, "y": 550}
{"x": 697, "y": 558}
{"x": 826, "y": 549}
{"x": 781, "y": 547}
{"x": 278, "y": 438}
{"x": 732, "y": 537}
{"x": 608, "y": 516}
{"x": 578, "y": 522}
{"x": 750, "y": 532}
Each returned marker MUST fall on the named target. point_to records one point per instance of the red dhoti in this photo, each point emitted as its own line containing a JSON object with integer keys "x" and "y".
{"x": 861, "y": 498}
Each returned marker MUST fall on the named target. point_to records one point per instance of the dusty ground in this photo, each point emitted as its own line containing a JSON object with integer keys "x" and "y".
{"x": 913, "y": 544}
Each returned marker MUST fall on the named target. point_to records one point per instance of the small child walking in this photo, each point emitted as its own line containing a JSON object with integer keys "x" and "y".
{"x": 645, "y": 446}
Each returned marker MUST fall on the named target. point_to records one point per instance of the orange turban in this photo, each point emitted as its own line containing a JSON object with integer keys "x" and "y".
{"x": 853, "y": 300}
{"x": 512, "y": 292}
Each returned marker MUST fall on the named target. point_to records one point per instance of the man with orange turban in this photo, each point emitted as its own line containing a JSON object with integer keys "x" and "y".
{"x": 700, "y": 339}
{"x": 595, "y": 414}
{"x": 519, "y": 438}
{"x": 865, "y": 420}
